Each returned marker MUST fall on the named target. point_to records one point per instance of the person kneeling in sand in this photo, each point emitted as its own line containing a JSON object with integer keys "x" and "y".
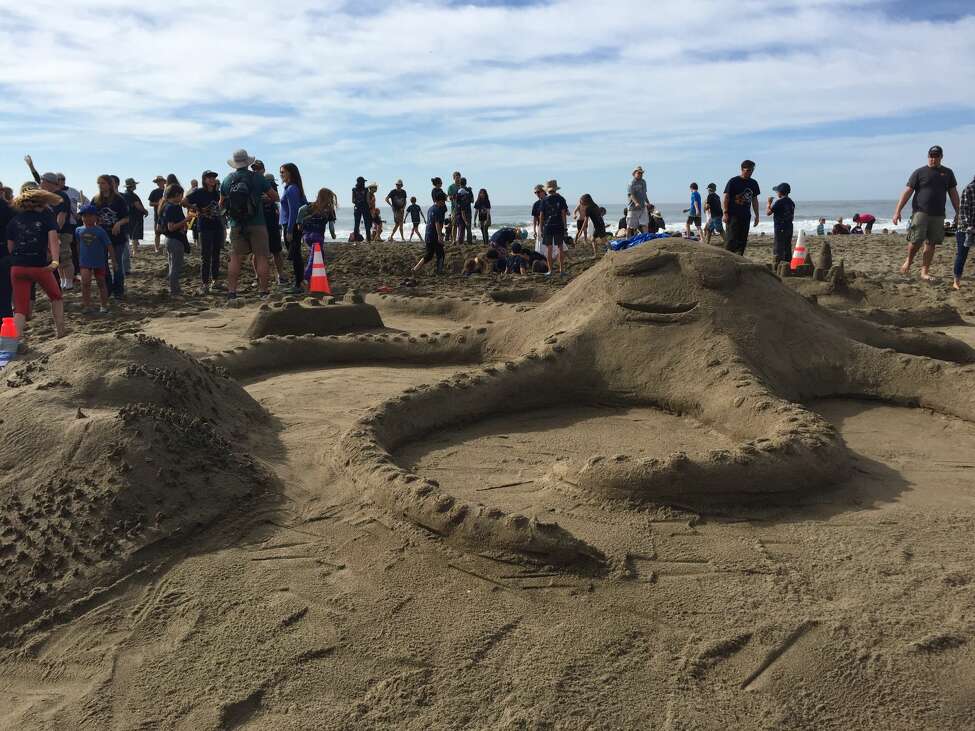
{"x": 840, "y": 228}
{"x": 524, "y": 261}
{"x": 94, "y": 248}
{"x": 487, "y": 262}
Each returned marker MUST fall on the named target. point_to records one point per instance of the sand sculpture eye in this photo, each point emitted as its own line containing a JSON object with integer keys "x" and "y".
{"x": 644, "y": 264}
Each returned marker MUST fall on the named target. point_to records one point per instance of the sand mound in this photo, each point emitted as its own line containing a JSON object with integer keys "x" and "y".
{"x": 112, "y": 444}
{"x": 315, "y": 317}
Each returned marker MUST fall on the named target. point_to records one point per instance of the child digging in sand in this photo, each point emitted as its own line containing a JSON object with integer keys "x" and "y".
{"x": 93, "y": 252}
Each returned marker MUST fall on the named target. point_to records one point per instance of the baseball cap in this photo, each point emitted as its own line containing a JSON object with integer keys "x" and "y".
{"x": 539, "y": 187}
{"x": 88, "y": 208}
{"x": 783, "y": 188}
{"x": 712, "y": 186}
{"x": 50, "y": 178}
{"x": 936, "y": 151}
{"x": 208, "y": 174}
{"x": 749, "y": 164}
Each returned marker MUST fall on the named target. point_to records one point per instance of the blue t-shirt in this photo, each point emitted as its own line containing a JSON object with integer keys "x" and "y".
{"x": 435, "y": 218}
{"x": 93, "y": 245}
{"x": 696, "y": 207}
{"x": 29, "y": 232}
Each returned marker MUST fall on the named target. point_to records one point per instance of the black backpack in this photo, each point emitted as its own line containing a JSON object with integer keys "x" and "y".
{"x": 240, "y": 203}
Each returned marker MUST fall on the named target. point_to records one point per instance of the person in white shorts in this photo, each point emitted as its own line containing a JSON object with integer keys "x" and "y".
{"x": 637, "y": 204}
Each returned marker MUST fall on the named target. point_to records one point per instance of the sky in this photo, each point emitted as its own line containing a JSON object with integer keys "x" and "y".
{"x": 840, "y": 99}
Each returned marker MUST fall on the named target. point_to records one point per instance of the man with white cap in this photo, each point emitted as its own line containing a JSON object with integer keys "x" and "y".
{"x": 637, "y": 204}
{"x": 240, "y": 198}
{"x": 396, "y": 199}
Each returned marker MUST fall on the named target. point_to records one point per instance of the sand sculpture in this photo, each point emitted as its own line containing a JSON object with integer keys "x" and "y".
{"x": 115, "y": 447}
{"x": 691, "y": 330}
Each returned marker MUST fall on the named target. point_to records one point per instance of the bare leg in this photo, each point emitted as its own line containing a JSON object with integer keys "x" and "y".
{"x": 261, "y": 267}
{"x": 927, "y": 256}
{"x": 279, "y": 265}
{"x": 911, "y": 253}
{"x": 86, "y": 288}
{"x": 21, "y": 322}
{"x": 548, "y": 256}
{"x": 561, "y": 257}
{"x": 103, "y": 291}
{"x": 57, "y": 309}
{"x": 233, "y": 272}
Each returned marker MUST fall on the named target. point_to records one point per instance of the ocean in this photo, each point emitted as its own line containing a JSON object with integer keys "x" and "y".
{"x": 807, "y": 216}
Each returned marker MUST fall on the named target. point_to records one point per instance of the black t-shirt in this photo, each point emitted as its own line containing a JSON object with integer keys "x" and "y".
{"x": 111, "y": 212}
{"x": 154, "y": 198}
{"x": 598, "y": 224}
{"x": 6, "y": 214}
{"x": 483, "y": 209}
{"x": 536, "y": 209}
{"x": 207, "y": 204}
{"x": 931, "y": 186}
{"x": 360, "y": 198}
{"x": 64, "y": 207}
{"x": 173, "y": 213}
{"x": 741, "y": 192}
{"x": 504, "y": 237}
{"x": 29, "y": 232}
{"x": 783, "y": 211}
{"x": 714, "y": 205}
{"x": 551, "y": 211}
{"x": 397, "y": 198}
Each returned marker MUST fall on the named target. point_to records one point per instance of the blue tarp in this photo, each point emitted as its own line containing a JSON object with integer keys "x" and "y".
{"x": 622, "y": 244}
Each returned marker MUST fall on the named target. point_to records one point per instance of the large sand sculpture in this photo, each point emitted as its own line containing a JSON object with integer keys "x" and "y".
{"x": 691, "y": 330}
{"x": 115, "y": 448}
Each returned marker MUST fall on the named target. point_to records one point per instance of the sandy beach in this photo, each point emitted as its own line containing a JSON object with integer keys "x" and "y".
{"x": 195, "y": 532}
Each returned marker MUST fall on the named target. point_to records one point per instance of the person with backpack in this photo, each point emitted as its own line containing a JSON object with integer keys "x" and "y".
{"x": 240, "y": 198}
{"x": 361, "y": 211}
{"x": 554, "y": 213}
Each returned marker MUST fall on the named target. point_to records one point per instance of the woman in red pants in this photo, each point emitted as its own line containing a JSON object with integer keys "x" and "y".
{"x": 33, "y": 243}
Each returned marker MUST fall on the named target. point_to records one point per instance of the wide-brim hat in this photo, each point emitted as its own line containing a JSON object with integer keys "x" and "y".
{"x": 159, "y": 179}
{"x": 240, "y": 160}
{"x": 552, "y": 185}
{"x": 539, "y": 187}
{"x": 131, "y": 182}
{"x": 372, "y": 184}
{"x": 638, "y": 169}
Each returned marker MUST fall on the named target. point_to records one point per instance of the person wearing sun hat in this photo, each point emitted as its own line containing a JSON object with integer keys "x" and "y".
{"x": 240, "y": 196}
{"x": 554, "y": 214}
{"x": 637, "y": 204}
{"x": 137, "y": 214}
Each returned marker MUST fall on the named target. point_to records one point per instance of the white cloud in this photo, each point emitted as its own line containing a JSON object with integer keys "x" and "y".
{"x": 552, "y": 85}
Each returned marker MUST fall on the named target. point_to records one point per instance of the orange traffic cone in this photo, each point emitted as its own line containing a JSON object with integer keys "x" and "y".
{"x": 319, "y": 279}
{"x": 799, "y": 255}
{"x": 8, "y": 328}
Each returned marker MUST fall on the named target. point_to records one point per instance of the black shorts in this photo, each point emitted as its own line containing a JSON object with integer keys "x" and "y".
{"x": 274, "y": 238}
{"x": 434, "y": 249}
{"x": 553, "y": 238}
{"x": 696, "y": 220}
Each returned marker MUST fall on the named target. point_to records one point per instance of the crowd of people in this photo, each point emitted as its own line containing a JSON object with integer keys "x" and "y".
{"x": 56, "y": 238}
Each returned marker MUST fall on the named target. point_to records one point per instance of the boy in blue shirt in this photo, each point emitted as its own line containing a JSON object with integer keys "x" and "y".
{"x": 694, "y": 214}
{"x": 93, "y": 249}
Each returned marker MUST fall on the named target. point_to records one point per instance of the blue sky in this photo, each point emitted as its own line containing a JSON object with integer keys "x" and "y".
{"x": 841, "y": 99}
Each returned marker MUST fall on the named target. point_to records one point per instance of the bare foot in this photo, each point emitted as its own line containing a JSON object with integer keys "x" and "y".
{"x": 925, "y": 277}
{"x": 905, "y": 267}
{"x": 956, "y": 284}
